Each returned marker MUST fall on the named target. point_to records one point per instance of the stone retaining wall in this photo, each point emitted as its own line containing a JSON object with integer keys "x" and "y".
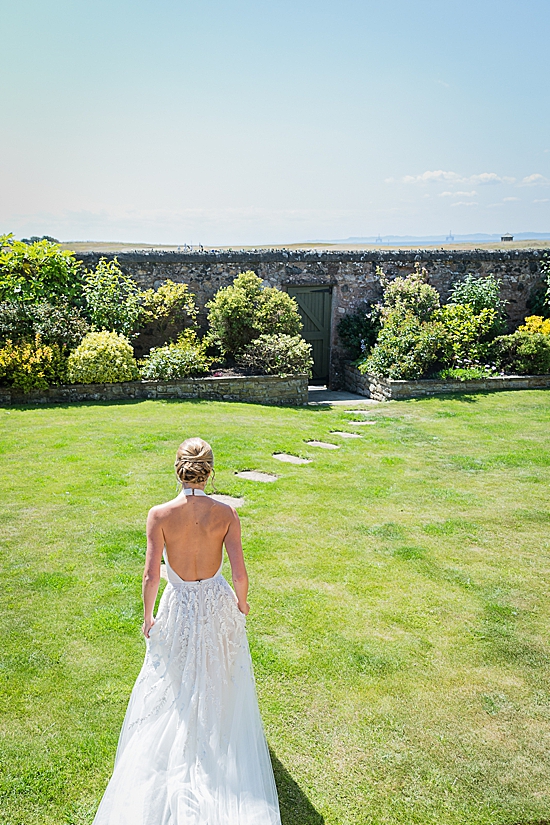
{"x": 352, "y": 275}
{"x": 257, "y": 389}
{"x": 388, "y": 389}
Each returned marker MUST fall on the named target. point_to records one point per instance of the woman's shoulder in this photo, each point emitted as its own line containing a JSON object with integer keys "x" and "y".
{"x": 164, "y": 508}
{"x": 167, "y": 507}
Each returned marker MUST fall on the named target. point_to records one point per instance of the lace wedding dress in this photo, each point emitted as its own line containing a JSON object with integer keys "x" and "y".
{"x": 192, "y": 750}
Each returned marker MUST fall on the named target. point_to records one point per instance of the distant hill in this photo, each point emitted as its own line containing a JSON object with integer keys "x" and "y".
{"x": 400, "y": 240}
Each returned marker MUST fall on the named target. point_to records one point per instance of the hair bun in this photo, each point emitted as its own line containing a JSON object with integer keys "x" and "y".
{"x": 194, "y": 461}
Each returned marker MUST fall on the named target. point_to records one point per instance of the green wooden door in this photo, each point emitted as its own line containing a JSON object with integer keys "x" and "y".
{"x": 314, "y": 305}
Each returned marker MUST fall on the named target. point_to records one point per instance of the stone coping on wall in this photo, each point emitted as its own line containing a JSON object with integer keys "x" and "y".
{"x": 274, "y": 390}
{"x": 255, "y": 256}
{"x": 389, "y": 389}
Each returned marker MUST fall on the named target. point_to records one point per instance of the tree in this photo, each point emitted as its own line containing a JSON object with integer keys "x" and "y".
{"x": 112, "y": 298}
{"x": 40, "y": 271}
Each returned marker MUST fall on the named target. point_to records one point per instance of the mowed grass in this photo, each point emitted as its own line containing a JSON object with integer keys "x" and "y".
{"x": 399, "y": 592}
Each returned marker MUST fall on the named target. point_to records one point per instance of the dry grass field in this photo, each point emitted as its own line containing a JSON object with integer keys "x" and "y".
{"x": 107, "y": 247}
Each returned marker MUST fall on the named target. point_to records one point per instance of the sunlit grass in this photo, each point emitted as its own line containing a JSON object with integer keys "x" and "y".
{"x": 399, "y": 622}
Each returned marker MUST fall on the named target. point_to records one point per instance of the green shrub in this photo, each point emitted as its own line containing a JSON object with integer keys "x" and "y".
{"x": 102, "y": 357}
{"x": 409, "y": 295}
{"x": 55, "y": 323}
{"x": 277, "y": 355}
{"x": 31, "y": 365}
{"x": 358, "y": 330}
{"x": 407, "y": 347}
{"x": 245, "y": 310}
{"x": 184, "y": 358}
{"x": 468, "y": 332}
{"x": 39, "y": 271}
{"x": 170, "y": 304}
{"x": 523, "y": 353}
{"x": 164, "y": 314}
{"x": 112, "y": 298}
{"x": 465, "y": 373}
{"x": 277, "y": 313}
{"x": 481, "y": 293}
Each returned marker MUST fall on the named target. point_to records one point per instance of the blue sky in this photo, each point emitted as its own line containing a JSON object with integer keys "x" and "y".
{"x": 245, "y": 121}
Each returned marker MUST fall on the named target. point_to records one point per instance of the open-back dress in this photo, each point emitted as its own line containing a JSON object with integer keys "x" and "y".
{"x": 192, "y": 749}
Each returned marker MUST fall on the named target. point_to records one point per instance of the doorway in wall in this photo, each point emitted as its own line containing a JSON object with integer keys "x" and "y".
{"x": 314, "y": 306}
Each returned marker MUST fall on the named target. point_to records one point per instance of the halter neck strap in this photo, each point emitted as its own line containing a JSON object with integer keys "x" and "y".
{"x": 191, "y": 491}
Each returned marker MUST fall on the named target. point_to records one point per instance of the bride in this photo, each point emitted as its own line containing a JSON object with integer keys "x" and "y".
{"x": 192, "y": 750}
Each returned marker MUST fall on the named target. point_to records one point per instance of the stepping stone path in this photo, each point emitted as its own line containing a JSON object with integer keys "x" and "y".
{"x": 254, "y": 475}
{"x": 324, "y": 445}
{"x": 234, "y": 502}
{"x": 291, "y": 459}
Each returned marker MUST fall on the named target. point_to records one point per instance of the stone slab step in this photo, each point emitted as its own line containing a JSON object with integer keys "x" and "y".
{"x": 291, "y": 459}
{"x": 255, "y": 475}
{"x": 325, "y": 445}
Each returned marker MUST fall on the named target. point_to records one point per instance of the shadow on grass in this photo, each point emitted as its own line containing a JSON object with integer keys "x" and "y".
{"x": 116, "y": 402}
{"x": 465, "y": 397}
{"x": 296, "y": 809}
{"x": 533, "y": 822}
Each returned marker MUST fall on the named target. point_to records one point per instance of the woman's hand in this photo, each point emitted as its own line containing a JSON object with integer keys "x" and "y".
{"x": 244, "y": 608}
{"x": 146, "y": 626}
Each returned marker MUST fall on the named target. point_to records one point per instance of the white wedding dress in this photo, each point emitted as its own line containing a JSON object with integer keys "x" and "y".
{"x": 192, "y": 750}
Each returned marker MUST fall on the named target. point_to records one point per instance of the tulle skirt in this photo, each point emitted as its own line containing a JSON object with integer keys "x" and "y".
{"x": 192, "y": 750}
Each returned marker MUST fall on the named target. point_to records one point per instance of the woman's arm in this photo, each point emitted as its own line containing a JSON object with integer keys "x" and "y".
{"x": 151, "y": 574}
{"x": 234, "y": 547}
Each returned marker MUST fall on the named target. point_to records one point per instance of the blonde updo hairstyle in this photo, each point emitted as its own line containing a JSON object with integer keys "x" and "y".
{"x": 194, "y": 461}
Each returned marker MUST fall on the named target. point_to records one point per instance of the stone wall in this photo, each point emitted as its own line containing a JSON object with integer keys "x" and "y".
{"x": 388, "y": 389}
{"x": 257, "y": 389}
{"x": 352, "y": 275}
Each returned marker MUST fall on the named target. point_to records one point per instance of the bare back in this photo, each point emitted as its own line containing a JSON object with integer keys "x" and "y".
{"x": 193, "y": 529}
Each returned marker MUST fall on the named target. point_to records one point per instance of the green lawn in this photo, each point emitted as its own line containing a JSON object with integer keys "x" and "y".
{"x": 399, "y": 592}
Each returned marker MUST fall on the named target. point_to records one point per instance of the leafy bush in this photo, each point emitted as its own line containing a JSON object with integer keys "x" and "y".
{"x": 536, "y": 323}
{"x": 410, "y": 344}
{"x": 524, "y": 353}
{"x": 112, "y": 298}
{"x": 245, "y": 310}
{"x": 407, "y": 347}
{"x": 468, "y": 332}
{"x": 102, "y": 357}
{"x": 465, "y": 373}
{"x": 277, "y": 355}
{"x": 481, "y": 293}
{"x": 184, "y": 358}
{"x": 31, "y": 365}
{"x": 40, "y": 271}
{"x": 56, "y": 324}
{"x": 164, "y": 314}
{"x": 171, "y": 303}
{"x": 277, "y": 313}
{"x": 410, "y": 295}
{"x": 358, "y": 330}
